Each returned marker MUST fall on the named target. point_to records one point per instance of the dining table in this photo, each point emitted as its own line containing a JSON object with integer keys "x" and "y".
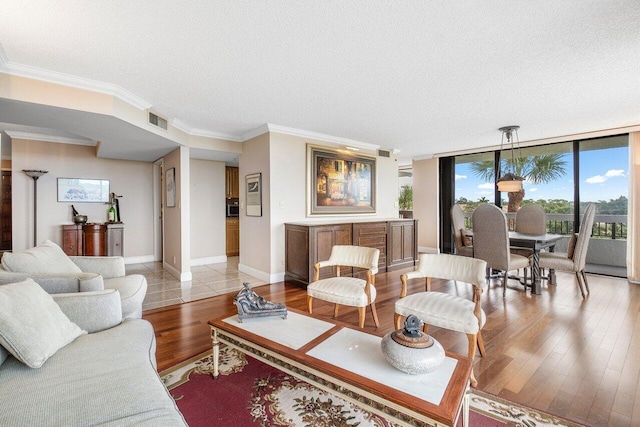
{"x": 536, "y": 242}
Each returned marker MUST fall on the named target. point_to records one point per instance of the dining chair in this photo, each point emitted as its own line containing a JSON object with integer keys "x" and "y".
{"x": 491, "y": 242}
{"x": 575, "y": 258}
{"x": 463, "y": 243}
{"x": 530, "y": 219}
{"x": 444, "y": 310}
{"x": 349, "y": 291}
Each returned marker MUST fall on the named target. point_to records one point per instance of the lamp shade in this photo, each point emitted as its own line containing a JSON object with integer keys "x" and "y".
{"x": 510, "y": 183}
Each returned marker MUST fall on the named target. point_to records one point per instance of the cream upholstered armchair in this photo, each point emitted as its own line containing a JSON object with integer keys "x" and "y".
{"x": 350, "y": 291}
{"x": 575, "y": 258}
{"x": 444, "y": 310}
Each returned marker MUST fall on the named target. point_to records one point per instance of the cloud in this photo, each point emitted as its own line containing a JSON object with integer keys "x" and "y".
{"x": 486, "y": 185}
{"x": 599, "y": 179}
{"x": 460, "y": 177}
{"x": 614, "y": 172}
{"x": 532, "y": 189}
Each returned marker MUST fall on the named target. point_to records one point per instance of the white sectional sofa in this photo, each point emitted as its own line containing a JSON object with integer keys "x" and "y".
{"x": 105, "y": 376}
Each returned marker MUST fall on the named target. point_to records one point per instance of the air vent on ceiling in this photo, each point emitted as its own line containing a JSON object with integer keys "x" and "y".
{"x": 158, "y": 121}
{"x": 384, "y": 153}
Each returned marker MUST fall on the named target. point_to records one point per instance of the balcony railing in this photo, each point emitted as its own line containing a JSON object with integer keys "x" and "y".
{"x": 604, "y": 226}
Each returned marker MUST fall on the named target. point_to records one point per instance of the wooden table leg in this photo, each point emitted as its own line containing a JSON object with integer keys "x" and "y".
{"x": 216, "y": 352}
{"x": 465, "y": 408}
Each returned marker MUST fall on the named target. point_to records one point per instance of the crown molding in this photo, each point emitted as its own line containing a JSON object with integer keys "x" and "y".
{"x": 270, "y": 127}
{"x": 182, "y": 126}
{"x": 49, "y": 138}
{"x": 27, "y": 71}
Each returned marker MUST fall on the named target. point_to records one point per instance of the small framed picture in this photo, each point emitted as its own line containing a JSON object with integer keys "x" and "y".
{"x": 254, "y": 194}
{"x": 171, "y": 188}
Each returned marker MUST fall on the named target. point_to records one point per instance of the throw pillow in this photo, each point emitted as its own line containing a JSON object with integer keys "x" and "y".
{"x": 45, "y": 258}
{"x": 32, "y": 326}
{"x": 571, "y": 247}
{"x": 466, "y": 239}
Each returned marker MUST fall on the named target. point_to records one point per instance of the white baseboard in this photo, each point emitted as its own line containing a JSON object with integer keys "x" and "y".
{"x": 428, "y": 250}
{"x": 209, "y": 260}
{"x": 258, "y": 274}
{"x": 182, "y": 276}
{"x": 139, "y": 259}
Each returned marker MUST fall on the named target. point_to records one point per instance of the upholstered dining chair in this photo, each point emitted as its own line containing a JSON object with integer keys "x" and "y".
{"x": 463, "y": 244}
{"x": 575, "y": 258}
{"x": 445, "y": 310}
{"x": 491, "y": 242}
{"x": 349, "y": 291}
{"x": 530, "y": 219}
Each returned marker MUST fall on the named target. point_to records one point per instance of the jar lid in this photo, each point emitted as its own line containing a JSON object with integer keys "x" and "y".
{"x": 420, "y": 341}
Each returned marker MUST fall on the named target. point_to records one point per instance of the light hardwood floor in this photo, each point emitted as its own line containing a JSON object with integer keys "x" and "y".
{"x": 575, "y": 358}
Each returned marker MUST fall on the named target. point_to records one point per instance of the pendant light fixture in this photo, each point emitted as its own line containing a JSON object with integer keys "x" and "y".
{"x": 509, "y": 182}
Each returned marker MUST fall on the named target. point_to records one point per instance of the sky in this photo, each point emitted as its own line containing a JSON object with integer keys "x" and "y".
{"x": 603, "y": 176}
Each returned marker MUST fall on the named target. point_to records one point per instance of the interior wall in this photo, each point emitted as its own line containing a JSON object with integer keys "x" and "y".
{"x": 290, "y": 187}
{"x": 131, "y": 179}
{"x": 255, "y": 231}
{"x": 208, "y": 243}
{"x": 172, "y": 231}
{"x": 425, "y": 204}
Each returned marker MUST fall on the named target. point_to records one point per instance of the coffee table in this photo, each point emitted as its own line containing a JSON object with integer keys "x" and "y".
{"x": 348, "y": 362}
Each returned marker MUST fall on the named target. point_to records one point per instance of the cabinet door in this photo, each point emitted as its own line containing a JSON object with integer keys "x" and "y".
{"x": 115, "y": 240}
{"x": 72, "y": 240}
{"x": 233, "y": 237}
{"x": 235, "y": 183}
{"x": 95, "y": 240}
{"x": 402, "y": 244}
{"x": 323, "y": 239}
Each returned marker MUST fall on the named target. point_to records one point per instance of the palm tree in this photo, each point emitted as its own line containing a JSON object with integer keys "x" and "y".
{"x": 538, "y": 169}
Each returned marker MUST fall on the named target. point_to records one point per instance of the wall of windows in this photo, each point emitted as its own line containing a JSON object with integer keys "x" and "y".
{"x": 558, "y": 177}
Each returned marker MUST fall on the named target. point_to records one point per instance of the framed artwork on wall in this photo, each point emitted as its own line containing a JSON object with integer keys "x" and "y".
{"x": 340, "y": 183}
{"x": 171, "y": 188}
{"x": 79, "y": 190}
{"x": 254, "y": 194}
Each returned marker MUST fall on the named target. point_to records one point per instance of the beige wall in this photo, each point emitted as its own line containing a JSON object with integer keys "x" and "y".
{"x": 176, "y": 232}
{"x": 208, "y": 244}
{"x": 286, "y": 156}
{"x": 425, "y": 203}
{"x": 132, "y": 180}
{"x": 255, "y": 232}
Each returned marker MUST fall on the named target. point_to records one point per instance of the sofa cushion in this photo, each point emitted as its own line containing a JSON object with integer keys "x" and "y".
{"x": 32, "y": 326}
{"x": 46, "y": 258}
{"x": 92, "y": 311}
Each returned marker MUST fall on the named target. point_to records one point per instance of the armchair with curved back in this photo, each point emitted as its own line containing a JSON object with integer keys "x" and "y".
{"x": 463, "y": 246}
{"x": 445, "y": 310}
{"x": 491, "y": 242}
{"x": 575, "y": 258}
{"x": 349, "y": 291}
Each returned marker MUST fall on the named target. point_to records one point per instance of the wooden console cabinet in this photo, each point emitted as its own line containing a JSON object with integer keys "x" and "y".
{"x": 93, "y": 239}
{"x": 308, "y": 243}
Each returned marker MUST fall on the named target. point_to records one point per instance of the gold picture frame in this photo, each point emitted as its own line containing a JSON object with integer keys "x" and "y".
{"x": 341, "y": 183}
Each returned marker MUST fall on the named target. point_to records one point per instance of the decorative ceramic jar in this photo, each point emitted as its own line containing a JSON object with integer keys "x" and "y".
{"x": 410, "y": 350}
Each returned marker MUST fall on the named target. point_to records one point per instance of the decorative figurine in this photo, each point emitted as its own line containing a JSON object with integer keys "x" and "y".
{"x": 410, "y": 350}
{"x": 251, "y": 305}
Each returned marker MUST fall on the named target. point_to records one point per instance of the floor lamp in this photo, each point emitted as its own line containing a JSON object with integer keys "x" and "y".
{"x": 35, "y": 174}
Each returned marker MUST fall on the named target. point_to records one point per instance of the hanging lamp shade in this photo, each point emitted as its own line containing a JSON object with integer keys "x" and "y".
{"x": 509, "y": 181}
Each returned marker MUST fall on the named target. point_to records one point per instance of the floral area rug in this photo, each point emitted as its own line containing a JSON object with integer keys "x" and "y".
{"x": 251, "y": 393}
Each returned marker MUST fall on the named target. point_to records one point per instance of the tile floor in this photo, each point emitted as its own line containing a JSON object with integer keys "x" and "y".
{"x": 208, "y": 281}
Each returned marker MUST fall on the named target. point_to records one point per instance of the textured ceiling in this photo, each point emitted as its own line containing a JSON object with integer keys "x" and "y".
{"x": 423, "y": 77}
